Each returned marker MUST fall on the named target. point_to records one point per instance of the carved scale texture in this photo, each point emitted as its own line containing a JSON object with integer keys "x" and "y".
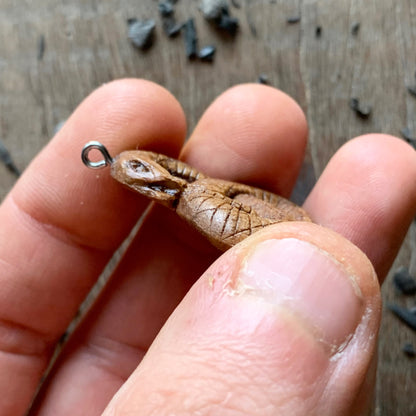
{"x": 177, "y": 168}
{"x": 227, "y": 212}
{"x": 224, "y": 212}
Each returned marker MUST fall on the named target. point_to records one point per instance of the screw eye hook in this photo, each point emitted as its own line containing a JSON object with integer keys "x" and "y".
{"x": 94, "y": 145}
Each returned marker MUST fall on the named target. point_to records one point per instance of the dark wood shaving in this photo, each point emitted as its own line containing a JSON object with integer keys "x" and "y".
{"x": 207, "y": 53}
{"x": 7, "y": 160}
{"x": 293, "y": 20}
{"x": 41, "y": 47}
{"x": 166, "y": 8}
{"x": 318, "y": 31}
{"x": 173, "y": 28}
{"x": 231, "y": 24}
{"x": 251, "y": 25}
{"x": 409, "y": 350}
{"x": 191, "y": 39}
{"x": 263, "y": 79}
{"x": 141, "y": 32}
{"x": 355, "y": 28}
{"x": 362, "y": 111}
{"x": 412, "y": 143}
{"x": 170, "y": 26}
{"x": 404, "y": 282}
{"x": 405, "y": 315}
{"x": 218, "y": 12}
{"x": 407, "y": 135}
{"x": 213, "y": 9}
{"x": 412, "y": 90}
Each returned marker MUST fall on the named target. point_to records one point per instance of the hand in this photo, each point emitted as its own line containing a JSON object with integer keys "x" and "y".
{"x": 283, "y": 324}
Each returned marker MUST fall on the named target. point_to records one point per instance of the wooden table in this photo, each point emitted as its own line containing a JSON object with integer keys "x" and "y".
{"x": 86, "y": 45}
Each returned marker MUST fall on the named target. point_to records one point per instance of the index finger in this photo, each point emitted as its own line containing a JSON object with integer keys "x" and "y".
{"x": 61, "y": 223}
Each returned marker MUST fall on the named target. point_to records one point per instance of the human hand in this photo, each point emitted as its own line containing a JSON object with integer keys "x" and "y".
{"x": 285, "y": 323}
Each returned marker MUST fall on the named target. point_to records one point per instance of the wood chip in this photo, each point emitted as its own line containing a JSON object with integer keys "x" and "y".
{"x": 355, "y": 28}
{"x": 362, "y": 111}
{"x": 404, "y": 282}
{"x": 166, "y": 8}
{"x": 7, "y": 160}
{"x": 409, "y": 350}
{"x": 412, "y": 90}
{"x": 207, "y": 53}
{"x": 405, "y": 315}
{"x": 407, "y": 135}
{"x": 231, "y": 24}
{"x": 213, "y": 9}
{"x": 141, "y": 32}
{"x": 293, "y": 20}
{"x": 191, "y": 39}
{"x": 263, "y": 79}
{"x": 41, "y": 47}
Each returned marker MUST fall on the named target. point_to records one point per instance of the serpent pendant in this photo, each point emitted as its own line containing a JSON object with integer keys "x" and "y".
{"x": 224, "y": 212}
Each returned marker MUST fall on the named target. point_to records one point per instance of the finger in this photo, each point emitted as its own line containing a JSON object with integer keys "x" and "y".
{"x": 251, "y": 134}
{"x": 284, "y": 323}
{"x": 61, "y": 223}
{"x": 368, "y": 194}
{"x": 165, "y": 258}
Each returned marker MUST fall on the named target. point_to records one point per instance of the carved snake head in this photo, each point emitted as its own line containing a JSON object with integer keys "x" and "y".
{"x": 139, "y": 171}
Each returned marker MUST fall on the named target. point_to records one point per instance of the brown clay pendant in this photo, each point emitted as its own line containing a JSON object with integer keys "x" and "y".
{"x": 224, "y": 212}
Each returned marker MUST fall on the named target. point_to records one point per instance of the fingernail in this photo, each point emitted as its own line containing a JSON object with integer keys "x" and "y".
{"x": 307, "y": 282}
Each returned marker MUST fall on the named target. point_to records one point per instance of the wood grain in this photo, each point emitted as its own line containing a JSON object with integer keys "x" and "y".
{"x": 86, "y": 45}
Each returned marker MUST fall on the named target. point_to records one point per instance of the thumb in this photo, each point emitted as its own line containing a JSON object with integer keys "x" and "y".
{"x": 284, "y": 323}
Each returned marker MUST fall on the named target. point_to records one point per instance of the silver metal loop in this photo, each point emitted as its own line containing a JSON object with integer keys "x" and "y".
{"x": 94, "y": 145}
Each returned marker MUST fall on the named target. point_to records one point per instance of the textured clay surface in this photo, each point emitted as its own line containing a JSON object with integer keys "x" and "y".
{"x": 224, "y": 212}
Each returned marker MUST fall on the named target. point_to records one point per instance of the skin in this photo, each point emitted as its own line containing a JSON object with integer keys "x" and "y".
{"x": 56, "y": 235}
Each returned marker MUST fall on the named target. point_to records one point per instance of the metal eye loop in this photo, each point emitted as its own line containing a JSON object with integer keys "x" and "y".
{"x": 94, "y": 145}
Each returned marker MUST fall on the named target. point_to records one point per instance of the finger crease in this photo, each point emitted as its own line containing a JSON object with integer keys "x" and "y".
{"x": 56, "y": 232}
{"x": 114, "y": 357}
{"x": 18, "y": 339}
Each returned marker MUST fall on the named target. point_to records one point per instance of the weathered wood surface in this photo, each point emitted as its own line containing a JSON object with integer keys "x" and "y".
{"x": 86, "y": 46}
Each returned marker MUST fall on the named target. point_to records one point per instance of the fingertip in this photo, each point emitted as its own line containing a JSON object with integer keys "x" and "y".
{"x": 367, "y": 193}
{"x": 251, "y": 133}
{"x": 353, "y": 260}
{"x": 380, "y": 160}
{"x": 268, "y": 310}
{"x": 383, "y": 166}
{"x": 57, "y": 189}
{"x": 369, "y": 148}
{"x": 269, "y": 107}
{"x": 131, "y": 112}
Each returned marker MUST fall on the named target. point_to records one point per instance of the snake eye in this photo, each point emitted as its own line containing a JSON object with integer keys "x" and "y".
{"x": 138, "y": 166}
